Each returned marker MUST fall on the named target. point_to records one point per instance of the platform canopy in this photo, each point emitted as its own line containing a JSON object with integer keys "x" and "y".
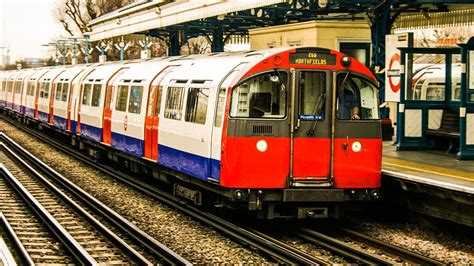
{"x": 145, "y": 16}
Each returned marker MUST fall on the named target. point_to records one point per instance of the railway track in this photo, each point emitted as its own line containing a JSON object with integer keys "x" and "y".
{"x": 79, "y": 237}
{"x": 363, "y": 256}
{"x": 13, "y": 244}
{"x": 278, "y": 250}
{"x": 271, "y": 247}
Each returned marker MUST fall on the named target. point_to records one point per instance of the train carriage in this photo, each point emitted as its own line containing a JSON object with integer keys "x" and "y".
{"x": 64, "y": 89}
{"x": 3, "y": 86}
{"x": 93, "y": 121}
{"x": 286, "y": 132}
{"x": 32, "y": 92}
{"x": 20, "y": 90}
{"x": 131, "y": 91}
{"x": 44, "y": 99}
{"x": 188, "y": 104}
{"x": 10, "y": 85}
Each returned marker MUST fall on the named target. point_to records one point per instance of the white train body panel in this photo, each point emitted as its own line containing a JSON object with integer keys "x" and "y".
{"x": 46, "y": 92}
{"x": 129, "y": 106}
{"x": 184, "y": 138}
{"x": 61, "y": 101}
{"x": 32, "y": 92}
{"x": 10, "y": 89}
{"x": 20, "y": 90}
{"x": 4, "y": 76}
{"x": 92, "y": 98}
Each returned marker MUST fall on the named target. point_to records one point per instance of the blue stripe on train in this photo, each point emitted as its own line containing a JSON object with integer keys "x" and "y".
{"x": 43, "y": 117}
{"x": 127, "y": 144}
{"x": 188, "y": 163}
{"x": 91, "y": 132}
{"x": 60, "y": 122}
{"x": 73, "y": 126}
{"x": 30, "y": 112}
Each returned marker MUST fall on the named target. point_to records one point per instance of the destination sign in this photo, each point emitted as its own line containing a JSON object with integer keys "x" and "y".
{"x": 313, "y": 58}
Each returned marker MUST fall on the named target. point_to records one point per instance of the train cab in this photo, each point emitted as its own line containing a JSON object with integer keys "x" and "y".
{"x": 93, "y": 120}
{"x": 43, "y": 100}
{"x": 305, "y": 120}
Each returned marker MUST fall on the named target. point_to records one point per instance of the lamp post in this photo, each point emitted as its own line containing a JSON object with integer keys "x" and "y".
{"x": 55, "y": 51}
{"x": 75, "y": 53}
{"x": 122, "y": 47}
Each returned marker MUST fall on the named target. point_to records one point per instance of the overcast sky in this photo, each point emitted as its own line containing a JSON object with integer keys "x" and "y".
{"x": 26, "y": 24}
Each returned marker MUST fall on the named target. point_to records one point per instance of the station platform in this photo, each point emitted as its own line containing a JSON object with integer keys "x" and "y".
{"x": 431, "y": 183}
{"x": 435, "y": 168}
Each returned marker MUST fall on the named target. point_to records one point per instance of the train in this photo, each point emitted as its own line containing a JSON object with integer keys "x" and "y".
{"x": 267, "y": 132}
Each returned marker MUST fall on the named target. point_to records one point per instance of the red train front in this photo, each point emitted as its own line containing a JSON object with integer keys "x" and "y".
{"x": 303, "y": 135}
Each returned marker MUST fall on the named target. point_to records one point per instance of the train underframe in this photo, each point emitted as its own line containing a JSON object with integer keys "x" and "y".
{"x": 288, "y": 203}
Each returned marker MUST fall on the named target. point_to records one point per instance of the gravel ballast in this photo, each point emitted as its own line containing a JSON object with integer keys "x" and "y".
{"x": 201, "y": 244}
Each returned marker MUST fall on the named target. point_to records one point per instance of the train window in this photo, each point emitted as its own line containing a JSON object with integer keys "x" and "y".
{"x": 18, "y": 87}
{"x": 312, "y": 88}
{"x": 86, "y": 94}
{"x": 357, "y": 98}
{"x": 65, "y": 92}
{"x": 31, "y": 88}
{"x": 59, "y": 87}
{"x": 135, "y": 102}
{"x": 4, "y": 84}
{"x": 262, "y": 96}
{"x": 41, "y": 92}
{"x": 174, "y": 103}
{"x": 10, "y": 86}
{"x": 121, "y": 99}
{"x": 196, "y": 105}
{"x": 158, "y": 102}
{"x": 96, "y": 95}
{"x": 46, "y": 90}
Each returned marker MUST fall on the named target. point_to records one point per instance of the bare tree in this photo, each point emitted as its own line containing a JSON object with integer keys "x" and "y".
{"x": 74, "y": 15}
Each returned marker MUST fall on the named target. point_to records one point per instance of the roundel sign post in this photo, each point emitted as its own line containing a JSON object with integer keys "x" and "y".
{"x": 392, "y": 63}
{"x": 393, "y": 73}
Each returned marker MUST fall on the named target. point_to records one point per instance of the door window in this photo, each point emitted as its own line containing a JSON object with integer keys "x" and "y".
{"x": 174, "y": 103}
{"x": 312, "y": 90}
{"x": 57, "y": 94}
{"x": 65, "y": 92}
{"x": 135, "y": 102}
{"x": 86, "y": 99}
{"x": 96, "y": 95}
{"x": 121, "y": 99}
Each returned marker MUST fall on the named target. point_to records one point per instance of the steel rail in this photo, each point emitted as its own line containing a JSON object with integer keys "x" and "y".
{"x": 271, "y": 249}
{"x": 139, "y": 236}
{"x": 23, "y": 255}
{"x": 131, "y": 252}
{"x": 341, "y": 248}
{"x": 81, "y": 255}
{"x": 409, "y": 256}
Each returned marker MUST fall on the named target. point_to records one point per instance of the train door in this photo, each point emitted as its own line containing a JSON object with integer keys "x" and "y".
{"x": 152, "y": 115}
{"x": 357, "y": 133}
{"x": 311, "y": 137}
{"x": 107, "y": 116}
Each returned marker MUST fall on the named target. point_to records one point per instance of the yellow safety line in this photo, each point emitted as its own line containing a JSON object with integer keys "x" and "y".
{"x": 431, "y": 169}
